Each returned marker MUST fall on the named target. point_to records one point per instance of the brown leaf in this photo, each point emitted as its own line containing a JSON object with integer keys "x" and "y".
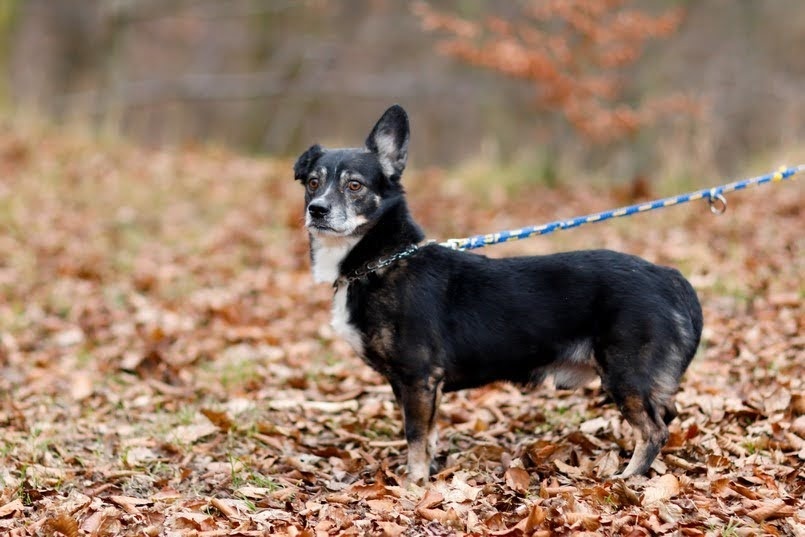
{"x": 798, "y": 426}
{"x": 744, "y": 491}
{"x": 81, "y": 385}
{"x": 225, "y": 508}
{"x": 12, "y": 508}
{"x": 778, "y": 401}
{"x": 517, "y": 479}
{"x": 678, "y": 462}
{"x": 732, "y": 447}
{"x": 798, "y": 403}
{"x": 625, "y": 495}
{"x": 369, "y": 492}
{"x": 587, "y": 441}
{"x": 568, "y": 470}
{"x": 219, "y": 419}
{"x": 101, "y": 522}
{"x": 382, "y": 506}
{"x": 661, "y": 489}
{"x": 539, "y": 452}
{"x": 434, "y": 515}
{"x": 190, "y": 434}
{"x": 527, "y": 526}
{"x": 391, "y": 529}
{"x": 63, "y": 524}
{"x": 595, "y": 425}
{"x": 166, "y": 495}
{"x": 718, "y": 462}
{"x": 607, "y": 465}
{"x": 129, "y": 504}
{"x": 195, "y": 521}
{"x": 587, "y": 521}
{"x": 458, "y": 490}
{"x": 770, "y": 510}
{"x": 431, "y": 499}
{"x": 721, "y": 488}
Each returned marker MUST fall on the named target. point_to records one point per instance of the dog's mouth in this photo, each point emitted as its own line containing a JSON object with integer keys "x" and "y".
{"x": 336, "y": 227}
{"x": 324, "y": 229}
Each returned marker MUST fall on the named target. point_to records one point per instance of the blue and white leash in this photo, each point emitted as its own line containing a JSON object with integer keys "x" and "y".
{"x": 714, "y": 196}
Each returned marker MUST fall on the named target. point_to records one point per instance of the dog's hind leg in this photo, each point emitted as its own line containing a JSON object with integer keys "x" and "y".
{"x": 642, "y": 380}
{"x": 433, "y": 438}
{"x": 646, "y": 409}
{"x": 651, "y": 433}
{"x": 419, "y": 403}
{"x": 669, "y": 412}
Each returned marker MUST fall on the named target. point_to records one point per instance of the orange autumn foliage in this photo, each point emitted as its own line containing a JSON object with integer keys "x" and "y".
{"x": 574, "y": 53}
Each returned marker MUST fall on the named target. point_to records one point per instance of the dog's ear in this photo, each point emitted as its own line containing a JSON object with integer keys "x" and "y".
{"x": 304, "y": 164}
{"x": 389, "y": 141}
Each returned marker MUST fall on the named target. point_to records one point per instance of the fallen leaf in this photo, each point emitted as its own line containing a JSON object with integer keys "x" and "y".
{"x": 219, "y": 419}
{"x": 194, "y": 521}
{"x": 607, "y": 465}
{"x": 587, "y": 521}
{"x": 431, "y": 499}
{"x": 518, "y": 480}
{"x": 391, "y": 529}
{"x": 369, "y": 492}
{"x": 595, "y": 425}
{"x": 625, "y": 495}
{"x": 231, "y": 509}
{"x": 12, "y": 508}
{"x": 254, "y": 493}
{"x": 62, "y": 524}
{"x": 570, "y": 471}
{"x": 526, "y": 526}
{"x": 382, "y": 506}
{"x": 770, "y": 510}
{"x": 660, "y": 489}
{"x": 129, "y": 504}
{"x": 458, "y": 490}
{"x": 101, "y": 521}
{"x": 81, "y": 385}
{"x": 190, "y": 434}
{"x": 539, "y": 452}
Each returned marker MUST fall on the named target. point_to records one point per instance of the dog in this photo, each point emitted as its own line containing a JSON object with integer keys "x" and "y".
{"x": 432, "y": 319}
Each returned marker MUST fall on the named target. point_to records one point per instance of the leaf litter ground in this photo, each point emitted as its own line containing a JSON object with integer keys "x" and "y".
{"x": 167, "y": 366}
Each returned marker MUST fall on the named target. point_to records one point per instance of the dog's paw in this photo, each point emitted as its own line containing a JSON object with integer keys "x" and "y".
{"x": 418, "y": 474}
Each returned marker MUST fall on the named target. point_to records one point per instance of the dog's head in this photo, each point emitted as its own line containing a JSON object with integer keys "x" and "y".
{"x": 347, "y": 190}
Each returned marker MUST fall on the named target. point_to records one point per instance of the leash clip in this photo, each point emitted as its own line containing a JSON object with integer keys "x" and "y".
{"x": 717, "y": 202}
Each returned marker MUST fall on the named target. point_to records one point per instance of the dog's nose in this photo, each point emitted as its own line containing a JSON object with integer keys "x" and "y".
{"x": 318, "y": 210}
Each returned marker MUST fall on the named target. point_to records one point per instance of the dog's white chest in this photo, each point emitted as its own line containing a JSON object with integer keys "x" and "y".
{"x": 340, "y": 321}
{"x": 328, "y": 253}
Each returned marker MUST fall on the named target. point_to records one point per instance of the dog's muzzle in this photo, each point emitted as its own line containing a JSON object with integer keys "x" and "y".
{"x": 318, "y": 210}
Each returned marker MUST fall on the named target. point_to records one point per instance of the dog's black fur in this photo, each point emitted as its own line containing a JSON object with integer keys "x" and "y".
{"x": 441, "y": 320}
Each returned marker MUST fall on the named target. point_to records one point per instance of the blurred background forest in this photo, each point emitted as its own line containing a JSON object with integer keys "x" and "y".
{"x": 273, "y": 76}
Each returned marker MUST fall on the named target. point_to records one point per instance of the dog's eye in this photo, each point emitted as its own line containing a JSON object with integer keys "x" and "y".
{"x": 313, "y": 184}
{"x": 354, "y": 186}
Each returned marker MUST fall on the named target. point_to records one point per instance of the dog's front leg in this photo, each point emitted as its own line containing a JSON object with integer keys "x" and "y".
{"x": 419, "y": 402}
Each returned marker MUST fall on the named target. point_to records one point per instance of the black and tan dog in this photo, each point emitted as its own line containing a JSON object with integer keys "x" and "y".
{"x": 433, "y": 320}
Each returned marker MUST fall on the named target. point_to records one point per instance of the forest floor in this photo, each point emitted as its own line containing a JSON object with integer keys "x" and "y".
{"x": 167, "y": 365}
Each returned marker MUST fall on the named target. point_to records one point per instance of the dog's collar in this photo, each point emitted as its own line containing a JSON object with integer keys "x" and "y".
{"x": 377, "y": 264}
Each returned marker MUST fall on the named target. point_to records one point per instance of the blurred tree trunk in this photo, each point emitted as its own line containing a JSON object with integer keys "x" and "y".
{"x": 117, "y": 18}
{"x": 8, "y": 15}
